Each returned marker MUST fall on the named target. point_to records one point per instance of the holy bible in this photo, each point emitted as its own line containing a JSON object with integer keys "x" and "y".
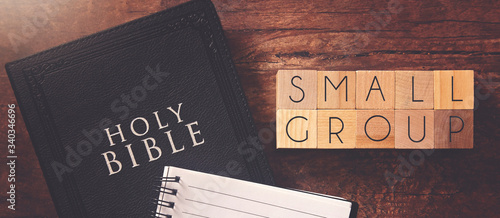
{"x": 107, "y": 112}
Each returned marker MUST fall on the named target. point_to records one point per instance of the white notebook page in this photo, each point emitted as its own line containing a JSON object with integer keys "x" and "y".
{"x": 206, "y": 195}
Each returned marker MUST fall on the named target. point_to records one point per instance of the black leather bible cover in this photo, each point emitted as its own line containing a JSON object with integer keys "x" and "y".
{"x": 107, "y": 112}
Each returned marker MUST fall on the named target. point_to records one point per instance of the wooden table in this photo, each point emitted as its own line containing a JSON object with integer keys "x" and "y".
{"x": 266, "y": 36}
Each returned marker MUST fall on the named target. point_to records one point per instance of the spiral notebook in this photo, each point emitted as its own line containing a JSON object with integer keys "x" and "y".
{"x": 187, "y": 193}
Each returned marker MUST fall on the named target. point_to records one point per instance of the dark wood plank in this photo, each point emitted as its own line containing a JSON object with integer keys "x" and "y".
{"x": 265, "y": 36}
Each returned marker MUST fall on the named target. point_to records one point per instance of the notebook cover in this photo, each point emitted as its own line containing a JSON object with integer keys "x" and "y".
{"x": 198, "y": 194}
{"x": 137, "y": 73}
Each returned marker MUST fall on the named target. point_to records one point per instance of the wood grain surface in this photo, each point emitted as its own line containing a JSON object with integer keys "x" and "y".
{"x": 268, "y": 35}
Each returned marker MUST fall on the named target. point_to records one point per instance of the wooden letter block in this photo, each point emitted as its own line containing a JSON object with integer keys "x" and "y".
{"x": 454, "y": 89}
{"x": 375, "y": 129}
{"x": 296, "y": 89}
{"x": 414, "y": 90}
{"x": 375, "y": 89}
{"x": 296, "y": 129}
{"x": 336, "y": 89}
{"x": 454, "y": 128}
{"x": 336, "y": 129}
{"x": 415, "y": 129}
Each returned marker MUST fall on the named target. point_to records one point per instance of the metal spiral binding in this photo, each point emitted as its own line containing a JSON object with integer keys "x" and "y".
{"x": 169, "y": 191}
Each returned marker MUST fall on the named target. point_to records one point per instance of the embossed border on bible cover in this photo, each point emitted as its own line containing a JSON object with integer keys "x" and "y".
{"x": 107, "y": 112}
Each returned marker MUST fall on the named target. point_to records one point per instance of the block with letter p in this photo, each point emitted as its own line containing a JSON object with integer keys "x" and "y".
{"x": 454, "y": 129}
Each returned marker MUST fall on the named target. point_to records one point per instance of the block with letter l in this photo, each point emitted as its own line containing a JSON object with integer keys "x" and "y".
{"x": 414, "y": 90}
{"x": 454, "y": 89}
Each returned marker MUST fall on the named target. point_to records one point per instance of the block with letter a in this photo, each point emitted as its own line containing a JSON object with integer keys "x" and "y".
{"x": 374, "y": 89}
